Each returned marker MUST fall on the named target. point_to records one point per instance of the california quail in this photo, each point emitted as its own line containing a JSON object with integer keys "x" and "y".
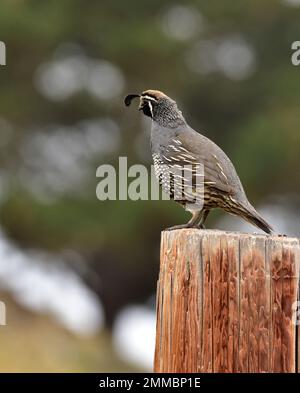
{"x": 179, "y": 151}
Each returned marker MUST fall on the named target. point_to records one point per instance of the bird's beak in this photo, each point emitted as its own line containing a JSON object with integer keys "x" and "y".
{"x": 129, "y": 98}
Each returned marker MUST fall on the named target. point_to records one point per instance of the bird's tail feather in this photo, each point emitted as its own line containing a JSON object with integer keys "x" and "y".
{"x": 260, "y": 223}
{"x": 251, "y": 215}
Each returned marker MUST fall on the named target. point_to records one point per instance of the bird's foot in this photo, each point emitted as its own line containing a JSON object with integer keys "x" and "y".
{"x": 181, "y": 226}
{"x": 282, "y": 235}
{"x": 201, "y": 226}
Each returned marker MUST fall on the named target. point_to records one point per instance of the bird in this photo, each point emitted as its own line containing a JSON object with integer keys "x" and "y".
{"x": 183, "y": 156}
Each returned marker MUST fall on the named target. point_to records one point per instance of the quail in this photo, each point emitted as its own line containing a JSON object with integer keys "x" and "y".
{"x": 184, "y": 157}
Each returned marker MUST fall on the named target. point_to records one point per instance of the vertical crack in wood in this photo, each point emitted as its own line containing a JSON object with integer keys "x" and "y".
{"x": 281, "y": 364}
{"x": 230, "y": 257}
{"x": 235, "y": 295}
{"x": 212, "y": 307}
{"x": 250, "y": 319}
{"x": 201, "y": 290}
{"x": 171, "y": 319}
{"x": 297, "y": 316}
{"x": 239, "y": 324}
{"x": 296, "y": 324}
{"x": 268, "y": 261}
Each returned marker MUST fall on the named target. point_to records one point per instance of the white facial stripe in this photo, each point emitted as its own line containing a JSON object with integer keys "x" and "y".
{"x": 149, "y": 98}
{"x": 151, "y": 109}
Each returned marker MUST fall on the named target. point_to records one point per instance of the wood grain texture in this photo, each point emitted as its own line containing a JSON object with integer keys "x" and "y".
{"x": 225, "y": 302}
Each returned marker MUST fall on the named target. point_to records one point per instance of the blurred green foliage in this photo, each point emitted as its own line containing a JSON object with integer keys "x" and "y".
{"x": 255, "y": 119}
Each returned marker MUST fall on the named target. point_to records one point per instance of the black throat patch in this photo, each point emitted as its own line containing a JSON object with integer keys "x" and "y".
{"x": 147, "y": 109}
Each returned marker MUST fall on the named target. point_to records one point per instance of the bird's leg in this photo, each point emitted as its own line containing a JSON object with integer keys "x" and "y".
{"x": 202, "y": 219}
{"x": 190, "y": 224}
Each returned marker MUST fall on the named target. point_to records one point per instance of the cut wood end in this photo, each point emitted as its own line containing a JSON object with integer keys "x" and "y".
{"x": 219, "y": 232}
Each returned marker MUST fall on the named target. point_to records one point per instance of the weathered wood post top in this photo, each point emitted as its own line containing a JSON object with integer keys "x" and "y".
{"x": 226, "y": 302}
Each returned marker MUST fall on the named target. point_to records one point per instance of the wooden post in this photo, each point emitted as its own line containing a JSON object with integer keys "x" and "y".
{"x": 225, "y": 302}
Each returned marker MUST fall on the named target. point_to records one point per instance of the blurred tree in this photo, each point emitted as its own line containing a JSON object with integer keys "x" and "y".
{"x": 69, "y": 62}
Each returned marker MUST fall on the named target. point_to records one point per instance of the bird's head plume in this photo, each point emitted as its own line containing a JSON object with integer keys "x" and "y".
{"x": 158, "y": 106}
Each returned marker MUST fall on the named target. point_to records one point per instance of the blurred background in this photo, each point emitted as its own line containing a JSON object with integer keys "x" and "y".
{"x": 78, "y": 276}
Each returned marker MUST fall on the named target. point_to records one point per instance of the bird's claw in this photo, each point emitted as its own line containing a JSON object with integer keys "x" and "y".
{"x": 181, "y": 226}
{"x": 185, "y": 226}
